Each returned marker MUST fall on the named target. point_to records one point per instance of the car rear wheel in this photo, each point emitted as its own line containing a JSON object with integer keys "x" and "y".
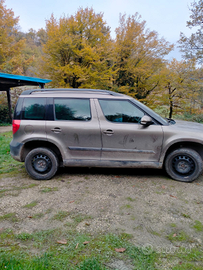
{"x": 183, "y": 165}
{"x": 41, "y": 163}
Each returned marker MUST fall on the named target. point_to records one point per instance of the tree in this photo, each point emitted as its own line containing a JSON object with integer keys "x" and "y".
{"x": 11, "y": 60}
{"x": 34, "y": 41}
{"x": 178, "y": 89}
{"x": 78, "y": 51}
{"x": 139, "y": 56}
{"x": 192, "y": 47}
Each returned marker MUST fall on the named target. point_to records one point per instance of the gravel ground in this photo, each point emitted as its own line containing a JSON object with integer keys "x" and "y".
{"x": 154, "y": 209}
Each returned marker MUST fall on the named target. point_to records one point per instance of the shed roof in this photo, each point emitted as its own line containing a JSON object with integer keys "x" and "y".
{"x": 9, "y": 80}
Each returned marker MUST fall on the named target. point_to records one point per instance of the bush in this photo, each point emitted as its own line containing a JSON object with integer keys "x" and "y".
{"x": 191, "y": 117}
{"x": 4, "y": 115}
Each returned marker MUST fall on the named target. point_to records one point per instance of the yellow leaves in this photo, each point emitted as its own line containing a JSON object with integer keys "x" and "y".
{"x": 178, "y": 88}
{"x": 138, "y": 56}
{"x": 11, "y": 49}
{"x": 79, "y": 47}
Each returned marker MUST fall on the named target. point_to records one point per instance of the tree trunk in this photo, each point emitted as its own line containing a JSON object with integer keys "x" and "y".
{"x": 171, "y": 109}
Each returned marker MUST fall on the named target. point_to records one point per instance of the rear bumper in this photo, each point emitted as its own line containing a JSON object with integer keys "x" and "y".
{"x": 15, "y": 150}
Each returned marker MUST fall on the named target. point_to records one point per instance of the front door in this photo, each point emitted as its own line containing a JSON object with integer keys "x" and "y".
{"x": 123, "y": 137}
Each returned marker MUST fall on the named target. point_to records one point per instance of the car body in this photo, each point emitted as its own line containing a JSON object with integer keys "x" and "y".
{"x": 100, "y": 128}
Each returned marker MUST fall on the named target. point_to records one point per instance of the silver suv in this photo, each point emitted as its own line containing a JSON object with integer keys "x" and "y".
{"x": 100, "y": 128}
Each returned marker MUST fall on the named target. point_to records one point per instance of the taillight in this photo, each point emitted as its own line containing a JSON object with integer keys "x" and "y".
{"x": 16, "y": 125}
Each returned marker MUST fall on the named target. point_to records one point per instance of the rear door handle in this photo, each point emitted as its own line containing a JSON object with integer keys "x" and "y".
{"x": 56, "y": 130}
{"x": 108, "y": 132}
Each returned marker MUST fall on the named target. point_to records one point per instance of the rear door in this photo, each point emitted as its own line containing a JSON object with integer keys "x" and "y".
{"x": 75, "y": 129}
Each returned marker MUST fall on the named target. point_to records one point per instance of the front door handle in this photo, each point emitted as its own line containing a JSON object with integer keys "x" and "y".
{"x": 56, "y": 130}
{"x": 108, "y": 132}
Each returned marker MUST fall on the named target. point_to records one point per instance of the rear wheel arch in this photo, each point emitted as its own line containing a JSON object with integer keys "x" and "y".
{"x": 30, "y": 145}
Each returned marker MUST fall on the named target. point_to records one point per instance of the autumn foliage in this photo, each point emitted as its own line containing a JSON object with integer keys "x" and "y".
{"x": 78, "y": 51}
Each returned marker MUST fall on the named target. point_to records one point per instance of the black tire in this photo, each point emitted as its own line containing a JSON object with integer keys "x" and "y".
{"x": 41, "y": 163}
{"x": 183, "y": 165}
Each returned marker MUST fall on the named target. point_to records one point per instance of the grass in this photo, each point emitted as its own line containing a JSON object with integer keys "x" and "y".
{"x": 31, "y": 205}
{"x": 173, "y": 225}
{"x": 48, "y": 189}
{"x": 10, "y": 217}
{"x": 7, "y": 163}
{"x": 11, "y": 191}
{"x": 126, "y": 206}
{"x": 43, "y": 250}
{"x": 38, "y": 216}
{"x": 185, "y": 215}
{"x": 184, "y": 259}
{"x": 198, "y": 226}
{"x": 130, "y": 199}
{"x": 180, "y": 236}
{"x": 61, "y": 215}
{"x": 96, "y": 254}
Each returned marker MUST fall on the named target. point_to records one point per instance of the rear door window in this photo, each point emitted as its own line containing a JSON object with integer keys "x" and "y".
{"x": 72, "y": 109}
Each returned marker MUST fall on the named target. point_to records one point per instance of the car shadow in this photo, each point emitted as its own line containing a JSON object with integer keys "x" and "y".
{"x": 146, "y": 172}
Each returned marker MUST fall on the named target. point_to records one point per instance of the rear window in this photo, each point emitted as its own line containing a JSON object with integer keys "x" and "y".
{"x": 34, "y": 109}
{"x": 72, "y": 109}
{"x": 17, "y": 112}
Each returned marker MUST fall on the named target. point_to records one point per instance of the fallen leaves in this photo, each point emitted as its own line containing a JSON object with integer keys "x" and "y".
{"x": 63, "y": 241}
{"x": 87, "y": 224}
{"x": 173, "y": 196}
{"x": 120, "y": 250}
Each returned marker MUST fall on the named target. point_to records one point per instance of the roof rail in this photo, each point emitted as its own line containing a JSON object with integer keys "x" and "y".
{"x": 29, "y": 92}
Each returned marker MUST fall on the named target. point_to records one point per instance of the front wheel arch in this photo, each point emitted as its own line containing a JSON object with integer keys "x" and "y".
{"x": 183, "y": 164}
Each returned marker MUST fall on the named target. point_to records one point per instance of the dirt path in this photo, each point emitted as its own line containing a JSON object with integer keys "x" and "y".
{"x": 157, "y": 211}
{"x": 5, "y": 129}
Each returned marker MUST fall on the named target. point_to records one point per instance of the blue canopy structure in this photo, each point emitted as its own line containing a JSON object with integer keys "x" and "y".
{"x": 11, "y": 80}
{"x": 8, "y": 81}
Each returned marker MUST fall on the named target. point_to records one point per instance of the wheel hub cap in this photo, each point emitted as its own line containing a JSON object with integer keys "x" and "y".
{"x": 41, "y": 163}
{"x": 183, "y": 165}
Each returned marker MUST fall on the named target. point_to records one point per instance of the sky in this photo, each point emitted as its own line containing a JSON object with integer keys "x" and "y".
{"x": 167, "y": 17}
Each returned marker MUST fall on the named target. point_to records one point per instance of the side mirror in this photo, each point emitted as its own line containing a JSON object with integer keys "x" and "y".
{"x": 146, "y": 121}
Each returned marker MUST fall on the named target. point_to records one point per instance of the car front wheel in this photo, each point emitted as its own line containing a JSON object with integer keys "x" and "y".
{"x": 41, "y": 163}
{"x": 183, "y": 165}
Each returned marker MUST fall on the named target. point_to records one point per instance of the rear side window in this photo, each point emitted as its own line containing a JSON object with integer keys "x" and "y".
{"x": 72, "y": 109}
{"x": 34, "y": 109}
